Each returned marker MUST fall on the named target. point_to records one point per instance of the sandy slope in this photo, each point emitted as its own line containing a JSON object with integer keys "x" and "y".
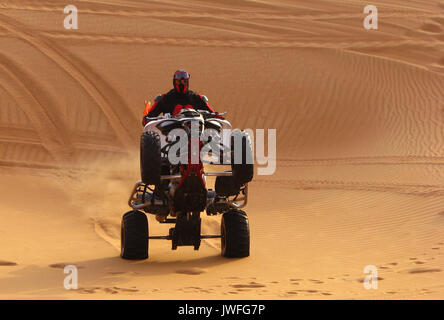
{"x": 360, "y": 145}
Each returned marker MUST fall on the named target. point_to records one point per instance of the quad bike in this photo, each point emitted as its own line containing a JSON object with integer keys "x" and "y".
{"x": 177, "y": 193}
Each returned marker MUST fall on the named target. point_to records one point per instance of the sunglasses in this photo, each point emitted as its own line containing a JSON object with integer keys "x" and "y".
{"x": 180, "y": 75}
{"x": 181, "y": 81}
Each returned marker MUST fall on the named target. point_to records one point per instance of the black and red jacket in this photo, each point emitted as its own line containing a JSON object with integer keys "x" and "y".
{"x": 172, "y": 102}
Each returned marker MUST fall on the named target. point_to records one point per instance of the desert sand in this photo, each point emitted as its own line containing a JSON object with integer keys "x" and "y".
{"x": 359, "y": 116}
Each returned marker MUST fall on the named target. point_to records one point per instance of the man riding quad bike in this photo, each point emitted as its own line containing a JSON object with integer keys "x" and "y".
{"x": 173, "y": 185}
{"x": 178, "y": 98}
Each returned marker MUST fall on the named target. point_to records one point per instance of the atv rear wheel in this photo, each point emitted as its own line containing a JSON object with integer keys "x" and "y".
{"x": 241, "y": 157}
{"x": 235, "y": 231}
{"x": 150, "y": 158}
{"x": 134, "y": 236}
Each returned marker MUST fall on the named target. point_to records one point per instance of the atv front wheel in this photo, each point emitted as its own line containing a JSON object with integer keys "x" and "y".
{"x": 241, "y": 157}
{"x": 235, "y": 231}
{"x": 150, "y": 158}
{"x": 134, "y": 236}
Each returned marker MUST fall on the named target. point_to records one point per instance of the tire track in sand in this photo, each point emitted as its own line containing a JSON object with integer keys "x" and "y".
{"x": 240, "y": 43}
{"x": 258, "y": 24}
{"x": 376, "y": 160}
{"x": 401, "y": 188}
{"x": 113, "y": 9}
{"x": 126, "y": 11}
{"x": 122, "y": 121}
{"x": 108, "y": 231}
{"x": 34, "y": 103}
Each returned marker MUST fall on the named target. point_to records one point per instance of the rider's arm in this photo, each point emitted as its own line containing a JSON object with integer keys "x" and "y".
{"x": 157, "y": 107}
{"x": 203, "y": 104}
{"x": 154, "y": 111}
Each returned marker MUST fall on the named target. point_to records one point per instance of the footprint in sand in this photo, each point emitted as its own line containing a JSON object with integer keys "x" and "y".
{"x": 431, "y": 258}
{"x": 250, "y": 285}
{"x": 361, "y": 280}
{"x": 316, "y": 281}
{"x": 62, "y": 265}
{"x": 388, "y": 265}
{"x": 307, "y": 291}
{"x": 4, "y": 263}
{"x": 431, "y": 28}
{"x": 423, "y": 270}
{"x": 87, "y": 290}
{"x": 425, "y": 291}
{"x": 195, "y": 289}
{"x": 110, "y": 290}
{"x": 191, "y": 271}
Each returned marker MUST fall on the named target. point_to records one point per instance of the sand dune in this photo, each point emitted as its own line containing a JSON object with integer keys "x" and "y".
{"x": 360, "y": 145}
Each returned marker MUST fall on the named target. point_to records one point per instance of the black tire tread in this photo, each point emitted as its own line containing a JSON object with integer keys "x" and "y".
{"x": 242, "y": 172}
{"x": 134, "y": 242}
{"x": 236, "y": 237}
{"x": 150, "y": 158}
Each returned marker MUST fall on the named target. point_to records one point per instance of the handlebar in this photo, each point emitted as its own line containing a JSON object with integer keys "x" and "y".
{"x": 206, "y": 115}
